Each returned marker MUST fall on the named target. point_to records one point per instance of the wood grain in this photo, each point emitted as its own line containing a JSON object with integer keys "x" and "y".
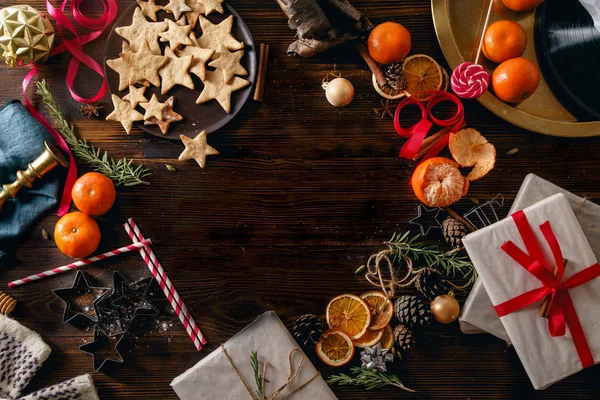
{"x": 300, "y": 196}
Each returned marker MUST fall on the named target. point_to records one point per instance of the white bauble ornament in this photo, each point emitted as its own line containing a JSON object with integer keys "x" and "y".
{"x": 339, "y": 92}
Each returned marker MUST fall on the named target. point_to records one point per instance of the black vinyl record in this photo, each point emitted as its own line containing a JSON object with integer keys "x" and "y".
{"x": 568, "y": 51}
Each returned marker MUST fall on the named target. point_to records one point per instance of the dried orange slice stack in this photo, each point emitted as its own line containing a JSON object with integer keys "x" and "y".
{"x": 381, "y": 308}
{"x": 335, "y": 348}
{"x": 469, "y": 148}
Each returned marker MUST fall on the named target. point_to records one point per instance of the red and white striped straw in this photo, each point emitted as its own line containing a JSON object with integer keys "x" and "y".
{"x": 82, "y": 262}
{"x": 167, "y": 287}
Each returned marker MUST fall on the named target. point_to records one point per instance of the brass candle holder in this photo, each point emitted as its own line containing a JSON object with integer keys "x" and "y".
{"x": 46, "y": 162}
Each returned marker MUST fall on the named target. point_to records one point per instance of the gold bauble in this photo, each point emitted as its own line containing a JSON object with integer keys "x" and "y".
{"x": 26, "y": 35}
{"x": 445, "y": 309}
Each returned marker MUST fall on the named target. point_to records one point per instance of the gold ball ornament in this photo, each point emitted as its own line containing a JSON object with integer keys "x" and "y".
{"x": 26, "y": 35}
{"x": 339, "y": 92}
{"x": 445, "y": 309}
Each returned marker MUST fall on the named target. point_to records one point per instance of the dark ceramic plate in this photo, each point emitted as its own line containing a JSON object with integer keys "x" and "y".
{"x": 208, "y": 116}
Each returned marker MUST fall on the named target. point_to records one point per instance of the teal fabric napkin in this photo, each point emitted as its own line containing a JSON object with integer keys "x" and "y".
{"x": 22, "y": 141}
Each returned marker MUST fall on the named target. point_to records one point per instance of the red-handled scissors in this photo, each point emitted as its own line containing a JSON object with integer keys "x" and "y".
{"x": 417, "y": 132}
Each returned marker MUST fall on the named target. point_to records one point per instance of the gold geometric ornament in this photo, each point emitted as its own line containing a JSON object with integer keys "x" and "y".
{"x": 26, "y": 35}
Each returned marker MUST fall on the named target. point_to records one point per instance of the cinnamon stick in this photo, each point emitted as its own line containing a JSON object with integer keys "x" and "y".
{"x": 373, "y": 65}
{"x": 263, "y": 62}
{"x": 432, "y": 140}
{"x": 545, "y": 308}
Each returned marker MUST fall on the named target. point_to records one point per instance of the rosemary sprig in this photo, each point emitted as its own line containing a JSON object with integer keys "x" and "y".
{"x": 260, "y": 390}
{"x": 452, "y": 264}
{"x": 369, "y": 378}
{"x": 122, "y": 172}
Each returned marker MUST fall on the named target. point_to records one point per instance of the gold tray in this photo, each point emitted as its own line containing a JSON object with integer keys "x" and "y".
{"x": 458, "y": 24}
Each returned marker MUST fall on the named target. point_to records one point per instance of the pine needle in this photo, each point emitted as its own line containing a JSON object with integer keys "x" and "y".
{"x": 368, "y": 378}
{"x": 122, "y": 172}
{"x": 452, "y": 264}
{"x": 260, "y": 390}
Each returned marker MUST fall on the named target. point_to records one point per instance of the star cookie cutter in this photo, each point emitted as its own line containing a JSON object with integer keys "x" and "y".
{"x": 104, "y": 348}
{"x": 81, "y": 299}
{"x": 426, "y": 219}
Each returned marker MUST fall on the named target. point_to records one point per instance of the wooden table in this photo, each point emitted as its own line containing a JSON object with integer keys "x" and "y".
{"x": 300, "y": 196}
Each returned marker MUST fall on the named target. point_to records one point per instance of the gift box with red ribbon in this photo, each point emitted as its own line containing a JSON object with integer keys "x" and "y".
{"x": 540, "y": 258}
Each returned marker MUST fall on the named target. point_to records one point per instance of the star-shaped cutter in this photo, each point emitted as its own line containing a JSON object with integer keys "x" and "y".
{"x": 81, "y": 299}
{"x": 101, "y": 346}
{"x": 135, "y": 301}
{"x": 426, "y": 219}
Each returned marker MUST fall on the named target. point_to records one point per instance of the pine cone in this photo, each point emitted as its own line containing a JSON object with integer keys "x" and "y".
{"x": 404, "y": 339}
{"x": 412, "y": 311}
{"x": 431, "y": 284}
{"x": 453, "y": 231}
{"x": 308, "y": 329}
{"x": 394, "y": 73}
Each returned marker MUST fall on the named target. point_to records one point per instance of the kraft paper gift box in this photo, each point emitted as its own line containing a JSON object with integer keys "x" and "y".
{"x": 478, "y": 314}
{"x": 546, "y": 359}
{"x": 214, "y": 377}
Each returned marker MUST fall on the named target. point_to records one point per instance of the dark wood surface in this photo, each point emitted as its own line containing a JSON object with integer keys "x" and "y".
{"x": 300, "y": 196}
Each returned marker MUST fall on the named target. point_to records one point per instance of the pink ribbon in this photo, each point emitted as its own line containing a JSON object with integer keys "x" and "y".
{"x": 75, "y": 47}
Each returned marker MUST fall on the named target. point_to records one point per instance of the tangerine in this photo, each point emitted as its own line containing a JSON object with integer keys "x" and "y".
{"x": 437, "y": 182}
{"x": 515, "y": 80}
{"x": 94, "y": 193}
{"x": 504, "y": 40}
{"x": 522, "y": 5}
{"x": 77, "y": 235}
{"x": 389, "y": 42}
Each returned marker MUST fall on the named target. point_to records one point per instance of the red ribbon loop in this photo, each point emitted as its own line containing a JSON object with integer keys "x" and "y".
{"x": 417, "y": 132}
{"x": 561, "y": 312}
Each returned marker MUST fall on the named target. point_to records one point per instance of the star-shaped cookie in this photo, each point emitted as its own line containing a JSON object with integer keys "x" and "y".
{"x": 213, "y": 35}
{"x": 212, "y": 5}
{"x": 124, "y": 113}
{"x": 149, "y": 8}
{"x": 216, "y": 88}
{"x": 176, "y": 35}
{"x": 141, "y": 30}
{"x": 154, "y": 108}
{"x": 144, "y": 65}
{"x": 176, "y": 7}
{"x": 197, "y": 149}
{"x": 199, "y": 58}
{"x": 168, "y": 117}
{"x": 135, "y": 96}
{"x": 228, "y": 63}
{"x": 175, "y": 72}
{"x": 120, "y": 66}
{"x": 197, "y": 7}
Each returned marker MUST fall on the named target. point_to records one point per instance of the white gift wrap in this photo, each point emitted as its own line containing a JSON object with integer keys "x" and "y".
{"x": 478, "y": 314}
{"x": 546, "y": 359}
{"x": 214, "y": 378}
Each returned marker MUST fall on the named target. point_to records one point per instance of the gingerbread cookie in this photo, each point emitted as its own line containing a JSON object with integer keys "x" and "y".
{"x": 168, "y": 117}
{"x": 212, "y": 5}
{"x": 124, "y": 113}
{"x": 120, "y": 66}
{"x": 154, "y": 108}
{"x": 175, "y": 72}
{"x": 135, "y": 96}
{"x": 149, "y": 8}
{"x": 199, "y": 57}
{"x": 197, "y": 9}
{"x": 228, "y": 63}
{"x": 144, "y": 65}
{"x": 197, "y": 149}
{"x": 213, "y": 35}
{"x": 176, "y": 34}
{"x": 216, "y": 88}
{"x": 141, "y": 31}
{"x": 177, "y": 7}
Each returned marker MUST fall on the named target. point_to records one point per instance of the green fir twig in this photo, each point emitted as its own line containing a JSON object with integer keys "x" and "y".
{"x": 258, "y": 377}
{"x": 368, "y": 378}
{"x": 122, "y": 172}
{"x": 451, "y": 263}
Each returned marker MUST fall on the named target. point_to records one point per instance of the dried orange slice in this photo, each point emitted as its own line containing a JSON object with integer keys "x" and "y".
{"x": 422, "y": 73}
{"x": 470, "y": 149}
{"x": 381, "y": 307}
{"x": 370, "y": 338}
{"x": 387, "y": 339}
{"x": 387, "y": 92}
{"x": 437, "y": 182}
{"x": 350, "y": 314}
{"x": 335, "y": 348}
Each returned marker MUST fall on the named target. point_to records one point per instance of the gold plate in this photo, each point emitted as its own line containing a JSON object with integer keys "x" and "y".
{"x": 458, "y": 24}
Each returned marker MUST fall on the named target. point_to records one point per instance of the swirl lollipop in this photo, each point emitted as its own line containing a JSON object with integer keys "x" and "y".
{"x": 470, "y": 80}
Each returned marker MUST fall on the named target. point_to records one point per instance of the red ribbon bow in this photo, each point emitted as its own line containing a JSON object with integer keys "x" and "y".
{"x": 562, "y": 311}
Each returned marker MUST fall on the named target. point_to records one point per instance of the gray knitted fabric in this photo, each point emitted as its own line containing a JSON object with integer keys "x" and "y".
{"x": 22, "y": 353}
